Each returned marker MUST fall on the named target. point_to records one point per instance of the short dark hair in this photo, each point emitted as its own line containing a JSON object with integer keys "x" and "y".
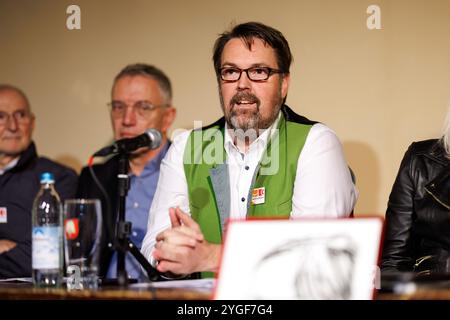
{"x": 247, "y": 32}
{"x": 146, "y": 70}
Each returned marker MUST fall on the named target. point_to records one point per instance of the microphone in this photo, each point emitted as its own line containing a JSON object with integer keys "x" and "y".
{"x": 150, "y": 139}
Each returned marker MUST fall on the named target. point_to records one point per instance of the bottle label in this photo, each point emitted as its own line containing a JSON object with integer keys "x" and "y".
{"x": 46, "y": 247}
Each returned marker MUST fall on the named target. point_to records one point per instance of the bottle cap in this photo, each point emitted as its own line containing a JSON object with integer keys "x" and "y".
{"x": 47, "y": 177}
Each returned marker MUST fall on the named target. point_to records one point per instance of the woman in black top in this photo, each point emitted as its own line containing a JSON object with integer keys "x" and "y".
{"x": 417, "y": 234}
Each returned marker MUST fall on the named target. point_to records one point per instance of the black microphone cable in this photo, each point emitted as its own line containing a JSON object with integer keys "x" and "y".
{"x": 109, "y": 228}
{"x": 109, "y": 225}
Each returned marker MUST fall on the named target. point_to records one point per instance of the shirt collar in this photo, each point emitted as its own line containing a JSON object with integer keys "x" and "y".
{"x": 10, "y": 165}
{"x": 154, "y": 164}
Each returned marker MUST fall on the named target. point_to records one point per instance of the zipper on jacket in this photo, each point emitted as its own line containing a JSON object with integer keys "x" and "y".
{"x": 436, "y": 198}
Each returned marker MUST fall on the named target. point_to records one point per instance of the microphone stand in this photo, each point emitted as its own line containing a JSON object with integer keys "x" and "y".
{"x": 123, "y": 229}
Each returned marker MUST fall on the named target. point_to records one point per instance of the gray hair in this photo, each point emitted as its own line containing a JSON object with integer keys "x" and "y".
{"x": 142, "y": 69}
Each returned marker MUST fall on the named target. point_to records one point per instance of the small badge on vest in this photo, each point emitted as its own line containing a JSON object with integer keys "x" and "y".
{"x": 3, "y": 215}
{"x": 259, "y": 195}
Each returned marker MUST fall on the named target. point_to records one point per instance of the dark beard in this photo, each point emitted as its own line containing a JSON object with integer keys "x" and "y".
{"x": 254, "y": 122}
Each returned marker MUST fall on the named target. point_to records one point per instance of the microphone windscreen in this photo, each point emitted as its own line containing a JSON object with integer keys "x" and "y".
{"x": 155, "y": 138}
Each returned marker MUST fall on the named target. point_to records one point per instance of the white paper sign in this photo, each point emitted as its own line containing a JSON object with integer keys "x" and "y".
{"x": 300, "y": 259}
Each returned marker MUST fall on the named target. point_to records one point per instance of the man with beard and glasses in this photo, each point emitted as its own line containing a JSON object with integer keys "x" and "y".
{"x": 260, "y": 160}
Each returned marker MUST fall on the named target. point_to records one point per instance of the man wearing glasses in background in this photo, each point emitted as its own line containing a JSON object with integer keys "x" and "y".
{"x": 141, "y": 98}
{"x": 195, "y": 196}
{"x": 20, "y": 170}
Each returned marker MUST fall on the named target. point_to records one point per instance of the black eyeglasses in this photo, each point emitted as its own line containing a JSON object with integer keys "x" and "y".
{"x": 231, "y": 74}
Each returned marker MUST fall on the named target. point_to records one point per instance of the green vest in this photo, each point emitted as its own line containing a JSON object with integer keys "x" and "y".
{"x": 276, "y": 172}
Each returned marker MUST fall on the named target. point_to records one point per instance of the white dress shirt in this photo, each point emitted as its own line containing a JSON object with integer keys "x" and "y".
{"x": 9, "y": 166}
{"x": 323, "y": 186}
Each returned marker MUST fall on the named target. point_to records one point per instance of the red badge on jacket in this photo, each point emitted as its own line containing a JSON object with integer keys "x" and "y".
{"x": 3, "y": 215}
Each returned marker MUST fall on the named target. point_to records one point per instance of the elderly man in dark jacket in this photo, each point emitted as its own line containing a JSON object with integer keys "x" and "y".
{"x": 20, "y": 169}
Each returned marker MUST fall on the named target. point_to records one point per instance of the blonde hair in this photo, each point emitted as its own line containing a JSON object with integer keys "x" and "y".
{"x": 445, "y": 139}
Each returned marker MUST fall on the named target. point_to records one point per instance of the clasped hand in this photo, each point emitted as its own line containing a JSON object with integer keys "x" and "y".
{"x": 182, "y": 249}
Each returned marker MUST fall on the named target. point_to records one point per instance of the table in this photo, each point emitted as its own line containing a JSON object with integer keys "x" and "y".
{"x": 19, "y": 291}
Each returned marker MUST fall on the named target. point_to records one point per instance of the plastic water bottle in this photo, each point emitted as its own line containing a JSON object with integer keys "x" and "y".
{"x": 47, "y": 236}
